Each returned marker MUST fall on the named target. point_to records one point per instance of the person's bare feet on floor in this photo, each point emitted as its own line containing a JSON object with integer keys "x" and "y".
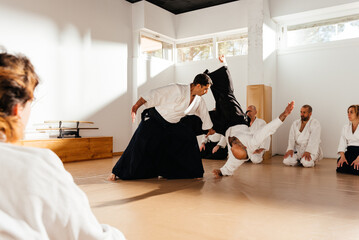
{"x": 112, "y": 177}
{"x": 217, "y": 173}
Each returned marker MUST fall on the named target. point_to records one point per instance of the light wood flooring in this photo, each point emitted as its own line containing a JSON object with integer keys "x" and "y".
{"x": 266, "y": 201}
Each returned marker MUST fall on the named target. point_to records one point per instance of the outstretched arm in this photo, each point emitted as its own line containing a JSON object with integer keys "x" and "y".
{"x": 269, "y": 129}
{"x": 135, "y": 107}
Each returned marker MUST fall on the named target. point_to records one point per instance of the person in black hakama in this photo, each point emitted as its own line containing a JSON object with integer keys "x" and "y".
{"x": 348, "y": 148}
{"x": 163, "y": 144}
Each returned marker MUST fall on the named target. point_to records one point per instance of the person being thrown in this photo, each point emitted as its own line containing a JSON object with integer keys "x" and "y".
{"x": 229, "y": 119}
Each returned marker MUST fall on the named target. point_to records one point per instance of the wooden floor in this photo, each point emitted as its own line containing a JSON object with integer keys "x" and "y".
{"x": 265, "y": 201}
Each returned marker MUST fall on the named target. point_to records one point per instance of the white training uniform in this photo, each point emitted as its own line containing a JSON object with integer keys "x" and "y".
{"x": 256, "y": 125}
{"x": 252, "y": 140}
{"x": 216, "y": 137}
{"x": 172, "y": 102}
{"x": 39, "y": 199}
{"x": 348, "y": 138}
{"x": 306, "y": 141}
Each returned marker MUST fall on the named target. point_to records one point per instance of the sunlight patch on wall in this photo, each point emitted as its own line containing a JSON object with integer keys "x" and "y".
{"x": 150, "y": 68}
{"x": 159, "y": 66}
{"x": 269, "y": 41}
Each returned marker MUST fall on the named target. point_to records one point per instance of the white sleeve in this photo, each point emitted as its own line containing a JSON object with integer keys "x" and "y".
{"x": 162, "y": 95}
{"x": 203, "y": 113}
{"x": 314, "y": 138}
{"x": 291, "y": 140}
{"x": 67, "y": 213}
{"x": 263, "y": 133}
{"x": 222, "y": 142}
{"x": 204, "y": 139}
{"x": 343, "y": 143}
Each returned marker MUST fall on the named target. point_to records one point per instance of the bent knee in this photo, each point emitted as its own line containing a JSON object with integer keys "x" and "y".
{"x": 306, "y": 163}
{"x": 290, "y": 161}
{"x": 257, "y": 160}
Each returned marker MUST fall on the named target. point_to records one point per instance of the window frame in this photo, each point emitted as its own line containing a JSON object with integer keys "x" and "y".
{"x": 156, "y": 37}
{"x": 326, "y": 16}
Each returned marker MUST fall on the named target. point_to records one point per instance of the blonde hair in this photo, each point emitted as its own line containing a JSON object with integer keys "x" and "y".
{"x": 18, "y": 81}
{"x": 355, "y": 108}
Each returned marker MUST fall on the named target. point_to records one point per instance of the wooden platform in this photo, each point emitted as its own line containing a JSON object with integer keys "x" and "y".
{"x": 75, "y": 149}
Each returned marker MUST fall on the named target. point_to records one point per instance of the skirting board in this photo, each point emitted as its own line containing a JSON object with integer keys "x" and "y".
{"x": 75, "y": 149}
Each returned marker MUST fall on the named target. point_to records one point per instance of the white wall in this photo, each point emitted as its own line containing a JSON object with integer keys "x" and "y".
{"x": 159, "y": 20}
{"x": 326, "y": 79}
{"x": 211, "y": 20}
{"x": 149, "y": 16}
{"x": 286, "y": 7}
{"x": 81, "y": 51}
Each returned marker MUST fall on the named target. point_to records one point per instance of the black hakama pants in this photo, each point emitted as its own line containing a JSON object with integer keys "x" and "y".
{"x": 351, "y": 154}
{"x": 228, "y": 111}
{"x": 160, "y": 148}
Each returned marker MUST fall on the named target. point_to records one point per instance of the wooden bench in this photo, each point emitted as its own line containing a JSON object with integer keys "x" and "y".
{"x": 75, "y": 149}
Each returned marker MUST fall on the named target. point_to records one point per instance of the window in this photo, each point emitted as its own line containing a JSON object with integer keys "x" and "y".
{"x": 233, "y": 45}
{"x": 151, "y": 47}
{"x": 194, "y": 51}
{"x": 323, "y": 31}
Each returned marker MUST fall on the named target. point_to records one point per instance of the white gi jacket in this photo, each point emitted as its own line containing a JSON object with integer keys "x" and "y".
{"x": 216, "y": 137}
{"x": 306, "y": 141}
{"x": 252, "y": 140}
{"x": 348, "y": 138}
{"x": 256, "y": 125}
{"x": 172, "y": 102}
{"x": 39, "y": 199}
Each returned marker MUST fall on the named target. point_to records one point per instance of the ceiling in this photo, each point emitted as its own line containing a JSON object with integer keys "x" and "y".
{"x": 182, "y": 6}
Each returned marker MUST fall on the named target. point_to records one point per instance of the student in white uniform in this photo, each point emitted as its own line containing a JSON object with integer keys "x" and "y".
{"x": 242, "y": 142}
{"x": 304, "y": 140}
{"x": 348, "y": 148}
{"x": 39, "y": 199}
{"x": 214, "y": 147}
{"x": 255, "y": 125}
{"x": 163, "y": 144}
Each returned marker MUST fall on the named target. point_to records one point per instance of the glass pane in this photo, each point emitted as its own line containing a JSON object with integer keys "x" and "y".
{"x": 233, "y": 47}
{"x": 194, "y": 53}
{"x": 326, "y": 33}
{"x": 155, "y": 48}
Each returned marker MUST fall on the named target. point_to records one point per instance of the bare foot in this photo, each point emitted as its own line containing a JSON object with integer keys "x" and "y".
{"x": 287, "y": 111}
{"x": 112, "y": 177}
{"x": 217, "y": 173}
